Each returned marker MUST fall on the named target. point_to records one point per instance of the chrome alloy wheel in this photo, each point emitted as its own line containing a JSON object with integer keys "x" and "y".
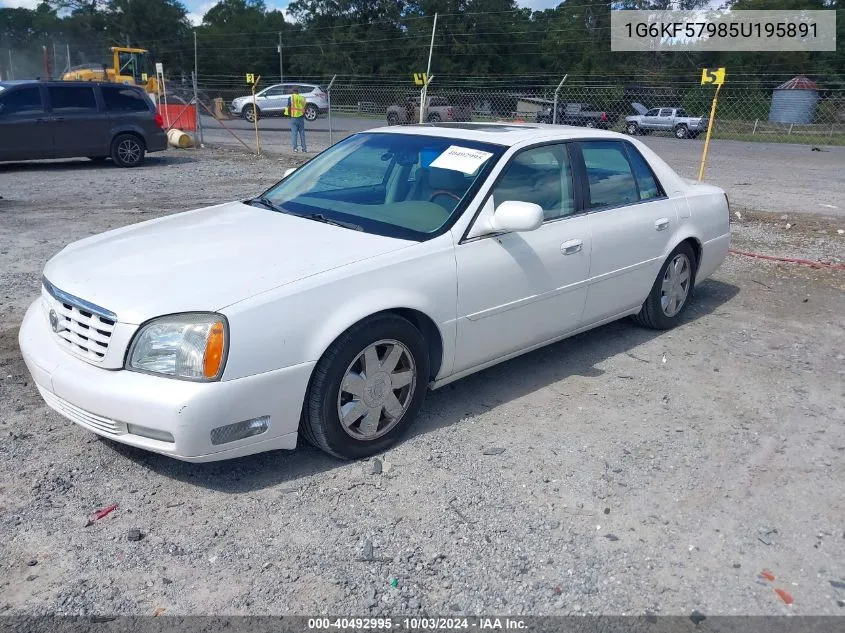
{"x": 129, "y": 151}
{"x": 676, "y": 285}
{"x": 376, "y": 390}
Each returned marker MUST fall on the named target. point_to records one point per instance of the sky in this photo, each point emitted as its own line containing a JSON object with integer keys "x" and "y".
{"x": 197, "y": 8}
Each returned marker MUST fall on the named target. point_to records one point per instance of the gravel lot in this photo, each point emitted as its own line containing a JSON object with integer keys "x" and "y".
{"x": 619, "y": 472}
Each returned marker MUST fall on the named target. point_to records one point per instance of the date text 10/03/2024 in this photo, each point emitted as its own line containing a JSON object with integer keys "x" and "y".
{"x": 417, "y": 624}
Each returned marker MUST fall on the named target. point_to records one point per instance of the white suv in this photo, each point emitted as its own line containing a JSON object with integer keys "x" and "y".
{"x": 272, "y": 101}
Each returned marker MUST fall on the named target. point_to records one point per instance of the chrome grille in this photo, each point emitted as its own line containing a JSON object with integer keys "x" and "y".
{"x": 85, "y": 328}
{"x": 80, "y": 416}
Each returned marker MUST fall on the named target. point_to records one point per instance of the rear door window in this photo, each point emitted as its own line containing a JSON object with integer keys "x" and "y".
{"x": 610, "y": 176}
{"x": 124, "y": 100}
{"x": 72, "y": 98}
{"x": 666, "y": 112}
{"x": 646, "y": 181}
{"x": 22, "y": 101}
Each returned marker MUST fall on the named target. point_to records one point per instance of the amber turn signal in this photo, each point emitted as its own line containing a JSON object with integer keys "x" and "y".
{"x": 214, "y": 347}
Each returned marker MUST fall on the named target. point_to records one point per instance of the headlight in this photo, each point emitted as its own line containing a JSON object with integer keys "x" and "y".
{"x": 191, "y": 346}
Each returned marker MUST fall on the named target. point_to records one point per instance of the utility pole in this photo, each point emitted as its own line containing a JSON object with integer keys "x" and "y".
{"x": 67, "y": 68}
{"x": 424, "y": 95}
{"x": 11, "y": 66}
{"x": 281, "y": 66}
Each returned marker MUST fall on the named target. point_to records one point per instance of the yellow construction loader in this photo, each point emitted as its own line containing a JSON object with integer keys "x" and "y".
{"x": 129, "y": 66}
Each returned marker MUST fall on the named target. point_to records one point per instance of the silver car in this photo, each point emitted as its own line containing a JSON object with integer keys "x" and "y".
{"x": 273, "y": 100}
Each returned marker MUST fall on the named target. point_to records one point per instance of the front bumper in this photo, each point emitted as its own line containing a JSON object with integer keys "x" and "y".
{"x": 106, "y": 401}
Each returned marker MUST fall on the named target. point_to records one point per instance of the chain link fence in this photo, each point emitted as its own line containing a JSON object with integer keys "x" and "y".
{"x": 799, "y": 111}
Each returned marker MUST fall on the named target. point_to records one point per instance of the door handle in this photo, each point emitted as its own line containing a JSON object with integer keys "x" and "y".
{"x": 662, "y": 223}
{"x": 571, "y": 247}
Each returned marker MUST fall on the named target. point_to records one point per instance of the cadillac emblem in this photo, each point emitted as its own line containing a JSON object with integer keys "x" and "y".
{"x": 54, "y": 321}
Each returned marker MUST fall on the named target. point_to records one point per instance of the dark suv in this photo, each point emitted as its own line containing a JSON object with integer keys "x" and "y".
{"x": 66, "y": 119}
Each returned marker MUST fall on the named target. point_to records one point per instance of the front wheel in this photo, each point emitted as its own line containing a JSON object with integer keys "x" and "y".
{"x": 127, "y": 150}
{"x": 249, "y": 113}
{"x": 672, "y": 290}
{"x": 632, "y": 129}
{"x": 681, "y": 131}
{"x": 393, "y": 119}
{"x": 311, "y": 112}
{"x": 367, "y": 388}
{"x": 590, "y": 124}
{"x": 434, "y": 118}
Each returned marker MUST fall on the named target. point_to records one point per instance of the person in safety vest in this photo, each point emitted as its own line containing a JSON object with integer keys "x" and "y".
{"x": 296, "y": 112}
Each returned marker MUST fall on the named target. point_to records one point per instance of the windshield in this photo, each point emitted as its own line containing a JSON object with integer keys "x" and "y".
{"x": 401, "y": 185}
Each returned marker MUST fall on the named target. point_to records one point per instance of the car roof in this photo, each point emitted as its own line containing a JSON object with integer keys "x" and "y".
{"x": 507, "y": 134}
{"x": 58, "y": 82}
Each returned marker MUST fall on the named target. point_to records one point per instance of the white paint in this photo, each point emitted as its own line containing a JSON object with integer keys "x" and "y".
{"x": 288, "y": 287}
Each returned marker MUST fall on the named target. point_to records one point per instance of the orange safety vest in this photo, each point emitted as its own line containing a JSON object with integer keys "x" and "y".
{"x": 297, "y": 106}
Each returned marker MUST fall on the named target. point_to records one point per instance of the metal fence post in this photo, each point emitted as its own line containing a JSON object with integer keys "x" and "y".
{"x": 196, "y": 92}
{"x": 329, "y": 98}
{"x": 199, "y": 142}
{"x": 557, "y": 91}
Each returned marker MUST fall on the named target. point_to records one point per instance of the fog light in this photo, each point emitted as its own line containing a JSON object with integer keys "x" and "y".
{"x": 240, "y": 430}
{"x": 153, "y": 434}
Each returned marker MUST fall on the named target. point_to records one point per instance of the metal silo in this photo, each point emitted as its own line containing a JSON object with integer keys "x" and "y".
{"x": 794, "y": 101}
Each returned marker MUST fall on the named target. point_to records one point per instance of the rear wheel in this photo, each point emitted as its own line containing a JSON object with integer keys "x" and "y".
{"x": 590, "y": 123}
{"x": 672, "y": 290}
{"x": 127, "y": 150}
{"x": 311, "y": 112}
{"x": 393, "y": 119}
{"x": 367, "y": 388}
{"x": 434, "y": 118}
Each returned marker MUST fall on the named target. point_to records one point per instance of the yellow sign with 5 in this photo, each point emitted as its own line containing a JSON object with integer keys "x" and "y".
{"x": 715, "y": 76}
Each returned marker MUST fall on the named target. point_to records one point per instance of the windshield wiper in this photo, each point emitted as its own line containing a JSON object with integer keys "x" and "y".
{"x": 319, "y": 217}
{"x": 264, "y": 200}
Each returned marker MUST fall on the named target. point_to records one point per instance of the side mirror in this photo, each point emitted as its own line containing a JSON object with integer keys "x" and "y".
{"x": 288, "y": 172}
{"x": 514, "y": 216}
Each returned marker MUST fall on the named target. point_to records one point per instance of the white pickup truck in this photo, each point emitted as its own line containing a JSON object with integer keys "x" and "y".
{"x": 673, "y": 120}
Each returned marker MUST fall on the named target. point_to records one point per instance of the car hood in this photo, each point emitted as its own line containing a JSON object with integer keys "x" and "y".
{"x": 639, "y": 108}
{"x": 205, "y": 260}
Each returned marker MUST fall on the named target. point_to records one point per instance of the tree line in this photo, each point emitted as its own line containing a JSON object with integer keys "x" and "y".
{"x": 475, "y": 38}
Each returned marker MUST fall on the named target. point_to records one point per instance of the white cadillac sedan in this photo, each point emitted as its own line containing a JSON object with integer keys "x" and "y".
{"x": 396, "y": 261}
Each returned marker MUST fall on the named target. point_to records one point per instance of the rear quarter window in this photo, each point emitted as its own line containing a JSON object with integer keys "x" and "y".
{"x": 125, "y": 100}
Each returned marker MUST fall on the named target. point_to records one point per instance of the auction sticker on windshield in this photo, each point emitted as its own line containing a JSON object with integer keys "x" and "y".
{"x": 461, "y": 159}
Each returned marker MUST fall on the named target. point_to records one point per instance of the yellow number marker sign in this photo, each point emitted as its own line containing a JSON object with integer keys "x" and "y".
{"x": 250, "y": 78}
{"x": 420, "y": 79}
{"x": 717, "y": 78}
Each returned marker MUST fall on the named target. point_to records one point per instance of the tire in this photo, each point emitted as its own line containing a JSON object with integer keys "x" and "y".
{"x": 633, "y": 129}
{"x": 250, "y": 113}
{"x": 127, "y": 150}
{"x": 311, "y": 112}
{"x": 434, "y": 118}
{"x": 393, "y": 119}
{"x": 655, "y": 314}
{"x": 590, "y": 124}
{"x": 343, "y": 364}
{"x": 681, "y": 131}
